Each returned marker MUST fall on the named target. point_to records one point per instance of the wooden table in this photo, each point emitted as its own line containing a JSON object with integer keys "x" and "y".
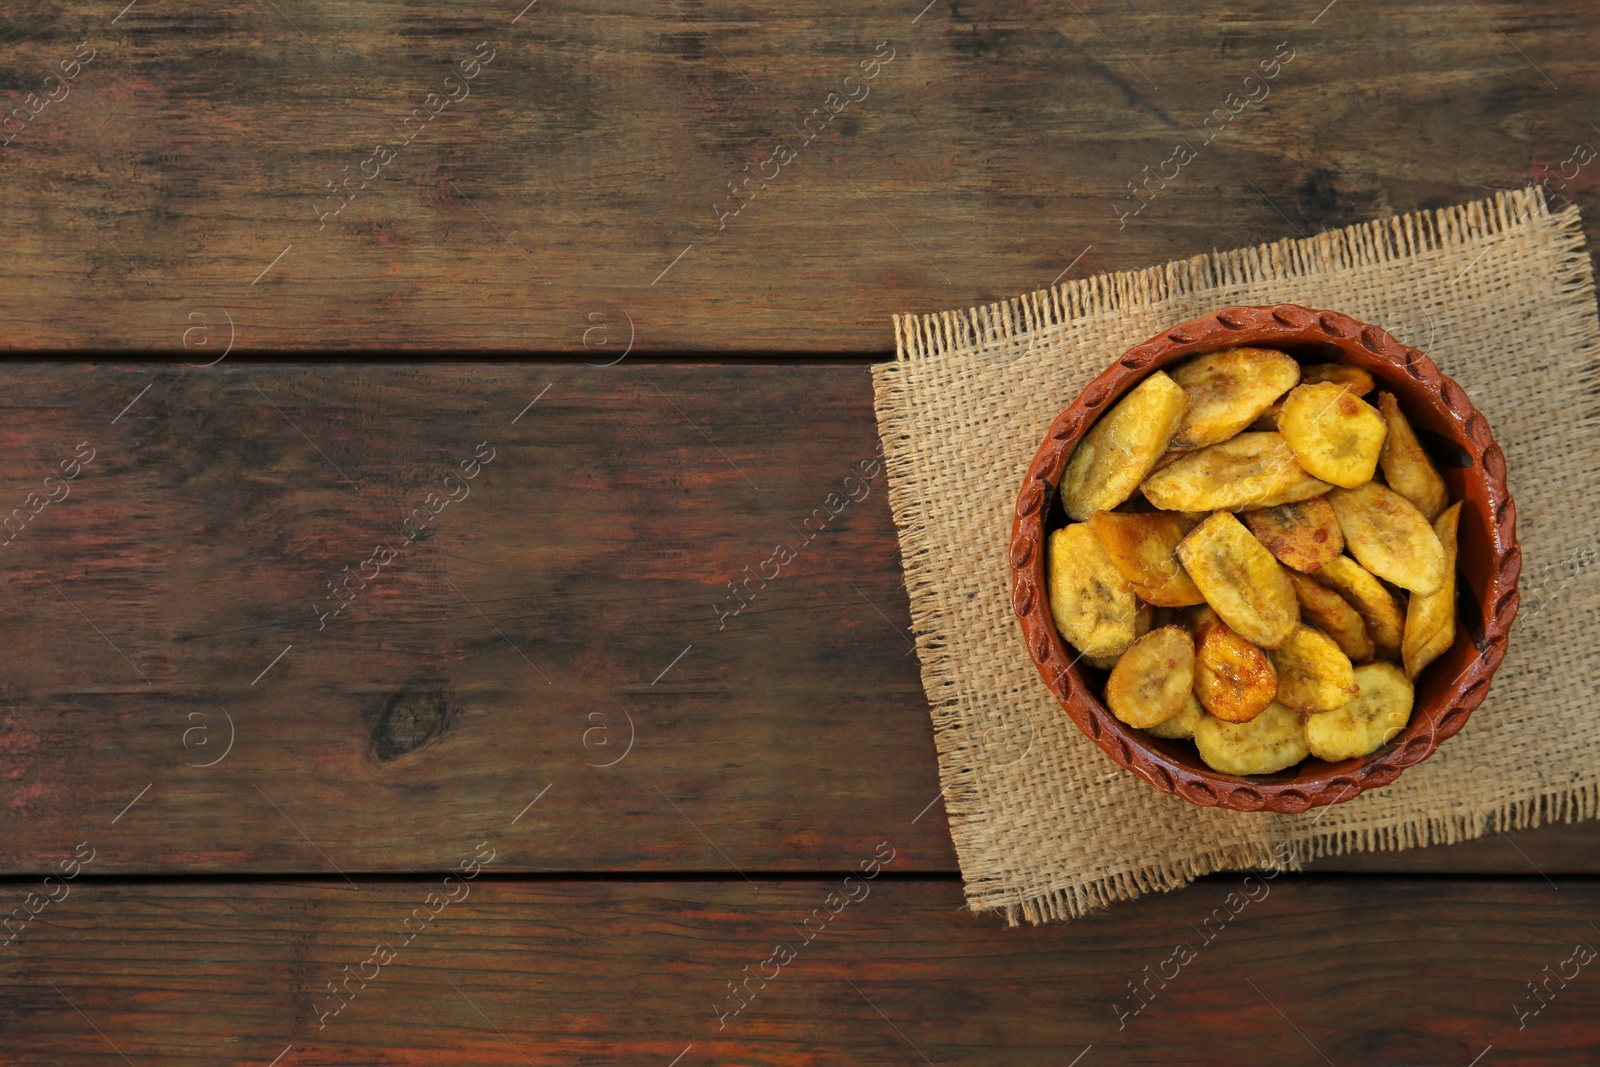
{"x": 377, "y": 710}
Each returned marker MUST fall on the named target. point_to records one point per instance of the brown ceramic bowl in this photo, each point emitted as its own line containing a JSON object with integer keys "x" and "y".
{"x": 1488, "y": 563}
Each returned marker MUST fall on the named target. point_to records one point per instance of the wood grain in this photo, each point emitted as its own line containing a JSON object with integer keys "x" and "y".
{"x": 578, "y": 195}
{"x": 567, "y": 603}
{"x": 1370, "y": 971}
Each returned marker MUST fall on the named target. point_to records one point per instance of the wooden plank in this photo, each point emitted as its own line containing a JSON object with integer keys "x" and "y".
{"x": 562, "y": 608}
{"x": 1309, "y": 970}
{"x": 579, "y": 191}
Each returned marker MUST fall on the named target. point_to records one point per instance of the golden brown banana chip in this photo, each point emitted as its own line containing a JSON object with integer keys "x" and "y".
{"x": 1335, "y": 434}
{"x": 1241, "y": 580}
{"x": 1359, "y": 381}
{"x": 1331, "y": 613}
{"x": 1093, "y": 605}
{"x": 1251, "y": 470}
{"x": 1271, "y": 741}
{"x": 1431, "y": 620}
{"x": 1152, "y": 681}
{"x": 1303, "y": 535}
{"x": 1114, "y": 456}
{"x": 1369, "y": 721}
{"x": 1389, "y": 537}
{"x": 1313, "y": 675}
{"x": 1182, "y": 724}
{"x": 1233, "y": 679}
{"x": 1227, "y": 390}
{"x": 1376, "y": 605}
{"x": 1141, "y": 548}
{"x": 1406, "y": 467}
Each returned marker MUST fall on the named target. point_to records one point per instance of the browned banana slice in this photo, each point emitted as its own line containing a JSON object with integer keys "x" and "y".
{"x": 1227, "y": 390}
{"x": 1369, "y": 721}
{"x": 1335, "y": 434}
{"x": 1303, "y": 535}
{"x": 1182, "y": 724}
{"x": 1406, "y": 467}
{"x": 1359, "y": 381}
{"x": 1119, "y": 451}
{"x": 1376, "y": 605}
{"x": 1431, "y": 620}
{"x": 1268, "y": 743}
{"x": 1093, "y": 605}
{"x": 1141, "y": 547}
{"x": 1241, "y": 580}
{"x": 1233, "y": 679}
{"x": 1151, "y": 682}
{"x": 1389, "y": 537}
{"x": 1313, "y": 675}
{"x": 1332, "y": 614}
{"x": 1251, "y": 470}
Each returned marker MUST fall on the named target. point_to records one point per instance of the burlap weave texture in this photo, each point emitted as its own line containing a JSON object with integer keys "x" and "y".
{"x": 1500, "y": 295}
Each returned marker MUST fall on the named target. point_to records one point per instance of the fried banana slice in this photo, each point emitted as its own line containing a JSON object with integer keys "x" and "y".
{"x": 1335, "y": 434}
{"x": 1152, "y": 681}
{"x": 1359, "y": 381}
{"x": 1142, "y": 621}
{"x": 1250, "y": 470}
{"x": 1228, "y": 390}
{"x": 1116, "y": 454}
{"x": 1270, "y": 742}
{"x": 1093, "y": 605}
{"x": 1406, "y": 467}
{"x": 1233, "y": 679}
{"x": 1313, "y": 675}
{"x": 1369, "y": 721}
{"x": 1332, "y": 614}
{"x": 1389, "y": 537}
{"x": 1141, "y": 548}
{"x": 1241, "y": 580}
{"x": 1303, "y": 535}
{"x": 1376, "y": 605}
{"x": 1431, "y": 620}
{"x": 1182, "y": 724}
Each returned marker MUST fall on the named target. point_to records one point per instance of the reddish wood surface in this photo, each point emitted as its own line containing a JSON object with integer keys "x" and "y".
{"x": 1312, "y": 970}
{"x": 580, "y": 195}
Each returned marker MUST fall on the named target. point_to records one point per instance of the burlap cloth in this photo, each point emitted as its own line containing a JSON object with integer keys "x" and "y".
{"x": 1500, "y": 294}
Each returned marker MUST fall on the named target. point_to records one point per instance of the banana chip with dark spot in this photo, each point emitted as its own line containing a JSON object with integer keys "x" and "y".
{"x": 1389, "y": 537}
{"x": 1153, "y": 679}
{"x": 1241, "y": 580}
{"x": 1268, "y": 743}
{"x": 1250, "y": 470}
{"x": 1369, "y": 721}
{"x": 1092, "y": 603}
{"x": 1228, "y": 390}
{"x": 1113, "y": 457}
{"x": 1303, "y": 535}
{"x": 1335, "y": 434}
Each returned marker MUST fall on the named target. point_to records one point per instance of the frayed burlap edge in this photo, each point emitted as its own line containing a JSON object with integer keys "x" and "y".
{"x": 979, "y": 328}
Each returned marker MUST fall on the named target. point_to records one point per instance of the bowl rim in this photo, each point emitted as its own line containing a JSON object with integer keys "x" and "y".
{"x": 1361, "y": 344}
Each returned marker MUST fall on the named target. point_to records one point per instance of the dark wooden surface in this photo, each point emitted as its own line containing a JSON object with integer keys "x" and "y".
{"x": 544, "y": 210}
{"x": 486, "y": 685}
{"x": 1313, "y": 970}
